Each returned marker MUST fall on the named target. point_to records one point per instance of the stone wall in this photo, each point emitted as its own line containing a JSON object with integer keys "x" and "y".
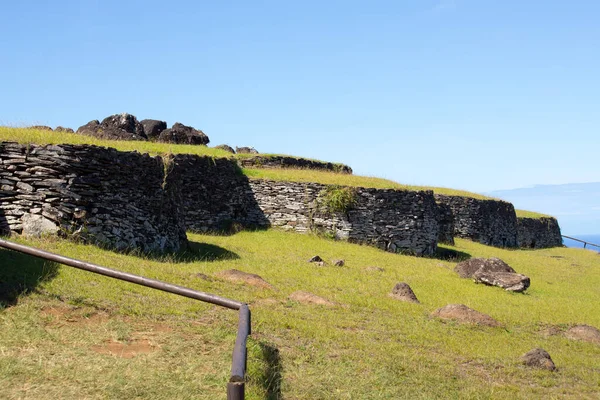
{"x": 490, "y": 222}
{"x": 393, "y": 220}
{"x": 261, "y": 161}
{"x": 445, "y": 219}
{"x": 115, "y": 199}
{"x": 538, "y": 233}
{"x": 215, "y": 194}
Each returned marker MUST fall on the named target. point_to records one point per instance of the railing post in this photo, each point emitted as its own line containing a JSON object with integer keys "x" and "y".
{"x": 236, "y": 390}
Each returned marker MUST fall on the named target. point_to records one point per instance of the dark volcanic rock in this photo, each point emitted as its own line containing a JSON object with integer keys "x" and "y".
{"x": 226, "y": 148}
{"x": 315, "y": 259}
{"x": 538, "y": 358}
{"x": 116, "y": 127}
{"x": 153, "y": 127}
{"x": 246, "y": 150}
{"x": 182, "y": 134}
{"x": 90, "y": 128}
{"x": 63, "y": 129}
{"x": 402, "y": 291}
{"x": 506, "y": 280}
{"x": 260, "y": 161}
{"x": 467, "y": 269}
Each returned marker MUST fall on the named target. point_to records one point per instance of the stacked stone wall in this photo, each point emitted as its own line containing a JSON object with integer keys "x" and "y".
{"x": 537, "y": 233}
{"x": 490, "y": 222}
{"x": 119, "y": 200}
{"x": 393, "y": 220}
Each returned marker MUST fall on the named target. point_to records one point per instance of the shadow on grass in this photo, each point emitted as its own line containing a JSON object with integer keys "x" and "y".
{"x": 20, "y": 274}
{"x": 271, "y": 375}
{"x": 206, "y": 252}
{"x": 446, "y": 254}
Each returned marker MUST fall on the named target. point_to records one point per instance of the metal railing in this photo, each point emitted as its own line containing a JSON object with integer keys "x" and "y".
{"x": 236, "y": 384}
{"x": 581, "y": 241}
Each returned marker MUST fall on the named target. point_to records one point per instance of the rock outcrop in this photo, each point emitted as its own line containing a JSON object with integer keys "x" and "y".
{"x": 153, "y": 128}
{"x": 183, "y": 134}
{"x": 115, "y": 127}
{"x": 260, "y": 161}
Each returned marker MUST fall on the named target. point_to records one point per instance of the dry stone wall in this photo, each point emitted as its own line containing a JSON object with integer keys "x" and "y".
{"x": 115, "y": 199}
{"x": 491, "y": 222}
{"x": 537, "y": 233}
{"x": 393, "y": 220}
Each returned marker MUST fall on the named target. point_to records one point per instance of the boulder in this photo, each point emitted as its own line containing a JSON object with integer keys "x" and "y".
{"x": 226, "y": 148}
{"x": 464, "y": 314}
{"x": 115, "y": 127}
{"x": 309, "y": 298}
{"x": 585, "y": 333}
{"x": 63, "y": 129}
{"x": 182, "y": 134}
{"x": 246, "y": 150}
{"x": 35, "y": 225}
{"x": 538, "y": 358}
{"x": 466, "y": 269}
{"x": 403, "y": 291}
{"x": 153, "y": 127}
{"x": 509, "y": 281}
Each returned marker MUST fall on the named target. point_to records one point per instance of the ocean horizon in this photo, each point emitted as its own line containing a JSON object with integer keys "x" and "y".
{"x": 595, "y": 239}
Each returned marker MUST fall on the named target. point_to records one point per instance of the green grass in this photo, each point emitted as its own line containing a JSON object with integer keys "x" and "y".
{"x": 331, "y": 178}
{"x": 368, "y": 347}
{"x": 531, "y": 214}
{"x": 24, "y": 136}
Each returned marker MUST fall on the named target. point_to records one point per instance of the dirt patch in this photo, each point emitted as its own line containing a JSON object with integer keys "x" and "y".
{"x": 233, "y": 275}
{"x": 584, "y": 333}
{"x": 126, "y": 350}
{"x": 309, "y": 298}
{"x": 265, "y": 302}
{"x": 464, "y": 314}
{"x": 74, "y": 316}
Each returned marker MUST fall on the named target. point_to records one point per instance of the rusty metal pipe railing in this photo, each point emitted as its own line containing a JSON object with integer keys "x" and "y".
{"x": 236, "y": 384}
{"x": 581, "y": 241}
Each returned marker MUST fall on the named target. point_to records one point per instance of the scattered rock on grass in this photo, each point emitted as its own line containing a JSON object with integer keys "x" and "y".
{"x": 40, "y": 127}
{"x": 506, "y": 280}
{"x": 63, "y": 129}
{"x": 233, "y": 275}
{"x": 309, "y": 298}
{"x": 538, "y": 358}
{"x": 338, "y": 263}
{"x": 403, "y": 291}
{"x": 226, "y": 148}
{"x": 246, "y": 150}
{"x": 585, "y": 333}
{"x": 464, "y": 314}
{"x": 466, "y": 269}
{"x": 315, "y": 259}
{"x": 205, "y": 277}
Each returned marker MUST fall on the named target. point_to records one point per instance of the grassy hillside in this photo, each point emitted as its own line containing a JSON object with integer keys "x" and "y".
{"x": 57, "y": 330}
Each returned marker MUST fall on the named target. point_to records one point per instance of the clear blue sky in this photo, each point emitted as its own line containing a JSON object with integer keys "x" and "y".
{"x": 471, "y": 94}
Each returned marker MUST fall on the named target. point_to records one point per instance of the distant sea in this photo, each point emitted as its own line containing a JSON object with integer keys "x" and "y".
{"x": 595, "y": 239}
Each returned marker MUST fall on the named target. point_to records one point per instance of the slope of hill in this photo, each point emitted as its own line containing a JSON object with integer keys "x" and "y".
{"x": 67, "y": 334}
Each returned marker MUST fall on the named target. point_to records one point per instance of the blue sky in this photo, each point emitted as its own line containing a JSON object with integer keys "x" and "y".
{"x": 472, "y": 94}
